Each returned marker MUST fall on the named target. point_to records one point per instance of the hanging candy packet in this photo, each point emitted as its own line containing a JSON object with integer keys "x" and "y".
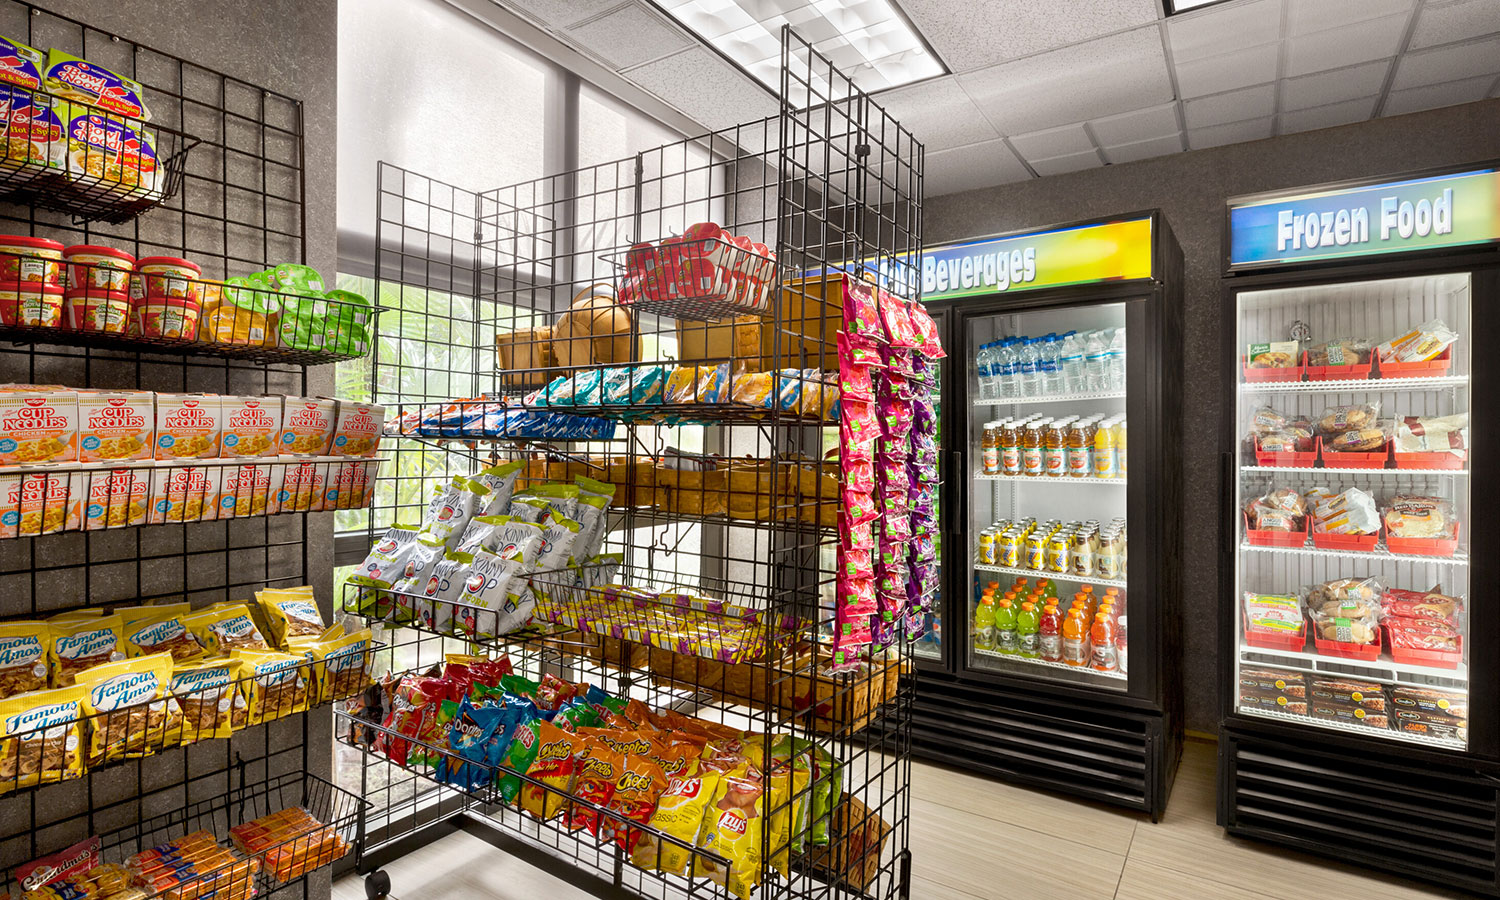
{"x": 929, "y": 344}
{"x": 855, "y": 563}
{"x": 897, "y": 322}
{"x": 854, "y": 354}
{"x": 861, "y": 314}
{"x": 895, "y": 417}
{"x": 923, "y": 370}
{"x": 895, "y": 386}
{"x": 855, "y": 383}
{"x": 859, "y": 474}
{"x": 859, "y": 508}
{"x": 858, "y": 424}
{"x": 898, "y": 360}
{"x": 856, "y": 535}
{"x": 856, "y": 599}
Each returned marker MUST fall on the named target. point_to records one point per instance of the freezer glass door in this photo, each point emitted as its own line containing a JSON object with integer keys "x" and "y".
{"x": 1353, "y": 508}
{"x": 1047, "y": 468}
{"x": 929, "y": 647}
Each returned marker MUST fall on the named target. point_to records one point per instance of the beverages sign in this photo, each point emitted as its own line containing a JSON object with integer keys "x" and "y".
{"x": 1083, "y": 254}
{"x": 1395, "y": 217}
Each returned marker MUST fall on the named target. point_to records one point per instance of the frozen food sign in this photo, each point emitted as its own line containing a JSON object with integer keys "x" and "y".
{"x": 1083, "y": 254}
{"x": 1398, "y": 216}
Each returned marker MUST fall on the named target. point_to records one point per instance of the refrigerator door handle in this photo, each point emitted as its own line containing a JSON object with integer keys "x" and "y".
{"x": 1226, "y": 507}
{"x": 954, "y": 524}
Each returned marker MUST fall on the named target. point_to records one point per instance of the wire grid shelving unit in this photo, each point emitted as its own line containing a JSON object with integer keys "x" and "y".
{"x": 726, "y": 479}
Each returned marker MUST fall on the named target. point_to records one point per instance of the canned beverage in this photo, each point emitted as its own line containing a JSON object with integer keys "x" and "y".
{"x": 987, "y": 549}
{"x": 1057, "y": 553}
{"x": 1008, "y": 550}
{"x": 1036, "y": 551}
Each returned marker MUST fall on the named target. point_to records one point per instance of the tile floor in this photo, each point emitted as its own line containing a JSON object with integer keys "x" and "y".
{"x": 963, "y": 829}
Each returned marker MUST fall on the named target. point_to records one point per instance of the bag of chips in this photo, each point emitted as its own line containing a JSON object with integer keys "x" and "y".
{"x": 131, "y": 710}
{"x": 450, "y": 511}
{"x": 552, "y": 766}
{"x": 500, "y": 480}
{"x": 410, "y": 706}
{"x": 470, "y": 734}
{"x": 593, "y": 511}
{"x": 637, "y": 790}
{"x": 599, "y": 767}
{"x": 788, "y": 789}
{"x": 519, "y": 756}
{"x": 732, "y": 829}
{"x": 210, "y": 696}
{"x": 679, "y": 814}
{"x": 492, "y": 598}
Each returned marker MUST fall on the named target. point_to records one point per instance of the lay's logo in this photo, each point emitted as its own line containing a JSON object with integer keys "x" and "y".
{"x": 733, "y": 822}
{"x": 686, "y": 788}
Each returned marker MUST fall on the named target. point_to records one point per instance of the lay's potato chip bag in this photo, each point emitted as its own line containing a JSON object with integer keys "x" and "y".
{"x": 732, "y": 828}
{"x": 679, "y": 814}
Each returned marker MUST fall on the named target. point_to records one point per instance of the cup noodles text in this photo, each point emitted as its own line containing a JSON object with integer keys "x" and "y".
{"x": 183, "y": 493}
{"x": 357, "y": 430}
{"x": 112, "y": 498}
{"x": 244, "y": 490}
{"x": 251, "y": 425}
{"x": 307, "y": 426}
{"x": 38, "y": 426}
{"x": 350, "y": 486}
{"x": 35, "y": 503}
{"x": 299, "y": 487}
{"x": 187, "y": 426}
{"x": 116, "y": 426}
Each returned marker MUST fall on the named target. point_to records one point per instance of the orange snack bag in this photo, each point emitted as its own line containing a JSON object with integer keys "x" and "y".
{"x": 187, "y": 426}
{"x": 38, "y": 425}
{"x": 553, "y": 766}
{"x": 637, "y": 789}
{"x": 116, "y": 426}
{"x": 678, "y": 759}
{"x": 252, "y": 425}
{"x": 599, "y": 768}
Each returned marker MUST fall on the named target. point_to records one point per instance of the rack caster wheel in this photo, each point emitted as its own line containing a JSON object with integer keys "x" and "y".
{"x": 377, "y": 885}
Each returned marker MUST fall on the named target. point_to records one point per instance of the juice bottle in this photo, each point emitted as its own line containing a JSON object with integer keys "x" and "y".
{"x": 1010, "y": 447}
{"x": 1005, "y": 626}
{"x": 1105, "y": 658}
{"x": 1113, "y": 596}
{"x": 993, "y": 587}
{"x": 1120, "y": 447}
{"x": 1031, "y": 449}
{"x": 984, "y": 625}
{"x": 1079, "y": 449}
{"x": 989, "y": 448}
{"x": 1049, "y": 633}
{"x": 1107, "y": 559}
{"x": 1028, "y": 626}
{"x": 1090, "y": 602}
{"x": 1083, "y": 554}
{"x": 1054, "y": 450}
{"x": 1075, "y": 648}
{"x": 1104, "y": 451}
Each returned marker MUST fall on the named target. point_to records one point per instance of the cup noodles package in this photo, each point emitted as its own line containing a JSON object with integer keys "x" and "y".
{"x": 349, "y": 488}
{"x": 298, "y": 487}
{"x": 187, "y": 426}
{"x": 114, "y": 497}
{"x": 38, "y": 425}
{"x": 307, "y": 425}
{"x": 116, "y": 426}
{"x": 357, "y": 429}
{"x": 244, "y": 490}
{"x": 251, "y": 425}
{"x": 35, "y": 503}
{"x": 183, "y": 493}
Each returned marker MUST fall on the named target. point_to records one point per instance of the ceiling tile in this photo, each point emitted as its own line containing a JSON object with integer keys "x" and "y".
{"x": 982, "y": 33}
{"x": 1053, "y": 142}
{"x": 1454, "y": 22}
{"x": 1073, "y": 84}
{"x": 679, "y": 79}
{"x": 1237, "y": 69}
{"x": 1219, "y": 135}
{"x": 1212, "y": 31}
{"x": 1137, "y": 125}
{"x": 1304, "y": 16}
{"x": 1346, "y": 45}
{"x": 1161, "y": 146}
{"x": 974, "y": 166}
{"x": 1434, "y": 95}
{"x": 1344, "y": 113}
{"x": 1234, "y": 106}
{"x": 939, "y": 113}
{"x": 561, "y": 12}
{"x": 1448, "y": 64}
{"x": 629, "y": 37}
{"x": 1323, "y": 88}
{"x": 1073, "y": 162}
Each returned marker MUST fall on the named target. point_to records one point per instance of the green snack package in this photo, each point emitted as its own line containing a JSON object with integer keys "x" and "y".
{"x": 520, "y": 686}
{"x": 519, "y": 757}
{"x": 480, "y": 694}
{"x": 304, "y": 320}
{"x": 299, "y": 278}
{"x": 250, "y": 294}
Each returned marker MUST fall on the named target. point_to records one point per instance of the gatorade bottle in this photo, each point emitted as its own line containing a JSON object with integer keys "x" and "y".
{"x": 1028, "y": 624}
{"x": 1049, "y": 588}
{"x": 1049, "y": 630}
{"x": 1120, "y": 648}
{"x": 1104, "y": 451}
{"x": 1075, "y": 647}
{"x": 1090, "y": 602}
{"x": 1120, "y": 447}
{"x": 984, "y": 625}
{"x": 1005, "y": 626}
{"x": 1105, "y": 657}
{"x": 1010, "y": 447}
{"x": 1113, "y": 596}
{"x": 989, "y": 448}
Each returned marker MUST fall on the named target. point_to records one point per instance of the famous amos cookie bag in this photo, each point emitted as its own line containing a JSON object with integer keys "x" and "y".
{"x": 41, "y": 737}
{"x": 225, "y": 627}
{"x": 278, "y": 683}
{"x": 79, "y": 644}
{"x": 23, "y": 657}
{"x": 212, "y": 698}
{"x": 132, "y": 712}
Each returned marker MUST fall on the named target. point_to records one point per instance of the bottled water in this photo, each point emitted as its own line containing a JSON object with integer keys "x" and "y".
{"x": 1070, "y": 362}
{"x": 1052, "y": 380}
{"x": 985, "y": 362}
{"x": 1117, "y": 360}
{"x": 1095, "y": 362}
{"x": 1028, "y": 369}
{"x": 1005, "y": 357}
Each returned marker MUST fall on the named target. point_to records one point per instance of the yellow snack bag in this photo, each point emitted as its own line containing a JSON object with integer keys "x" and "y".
{"x": 131, "y": 710}
{"x": 211, "y": 698}
{"x": 41, "y": 737}
{"x": 291, "y": 612}
{"x": 732, "y": 829}
{"x": 23, "y": 657}
{"x": 342, "y": 665}
{"x": 787, "y": 791}
{"x": 163, "y": 633}
{"x": 223, "y": 628}
{"x": 679, "y": 813}
{"x": 278, "y": 683}
{"x": 78, "y": 644}
{"x": 133, "y": 614}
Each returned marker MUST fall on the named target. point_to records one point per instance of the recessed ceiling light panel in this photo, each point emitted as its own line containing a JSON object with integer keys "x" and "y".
{"x": 1178, "y": 6}
{"x": 868, "y": 40}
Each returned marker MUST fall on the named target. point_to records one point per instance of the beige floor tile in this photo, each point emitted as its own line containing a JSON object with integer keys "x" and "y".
{"x": 1143, "y": 881}
{"x": 926, "y": 889}
{"x": 460, "y": 866}
{"x": 1056, "y": 815}
{"x": 1194, "y": 793}
{"x": 992, "y": 859}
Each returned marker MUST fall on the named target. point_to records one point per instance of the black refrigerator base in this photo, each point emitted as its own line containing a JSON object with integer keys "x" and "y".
{"x": 1381, "y": 810}
{"x": 1109, "y": 754}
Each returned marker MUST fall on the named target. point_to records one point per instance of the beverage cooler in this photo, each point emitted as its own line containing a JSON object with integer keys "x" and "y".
{"x": 1057, "y": 663}
{"x": 1357, "y": 608}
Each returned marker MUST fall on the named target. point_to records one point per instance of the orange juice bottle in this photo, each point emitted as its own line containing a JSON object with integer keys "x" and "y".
{"x": 1090, "y": 602}
{"x": 1010, "y": 447}
{"x": 1031, "y": 448}
{"x": 989, "y": 449}
{"x": 1054, "y": 450}
{"x": 1103, "y": 633}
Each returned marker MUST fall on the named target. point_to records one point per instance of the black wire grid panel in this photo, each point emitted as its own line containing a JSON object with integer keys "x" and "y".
{"x": 232, "y": 200}
{"x": 580, "y": 324}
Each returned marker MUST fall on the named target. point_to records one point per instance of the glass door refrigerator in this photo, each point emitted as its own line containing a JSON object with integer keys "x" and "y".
{"x": 1358, "y": 614}
{"x": 1060, "y": 625}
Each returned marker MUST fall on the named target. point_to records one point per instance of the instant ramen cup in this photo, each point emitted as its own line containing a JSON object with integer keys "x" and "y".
{"x": 32, "y": 305}
{"x": 102, "y": 311}
{"x": 97, "y": 270}
{"x": 30, "y": 260}
{"x": 168, "y": 317}
{"x": 168, "y": 277}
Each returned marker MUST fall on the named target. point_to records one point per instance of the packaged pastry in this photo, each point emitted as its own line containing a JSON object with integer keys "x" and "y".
{"x": 1427, "y": 341}
{"x": 1422, "y": 634}
{"x": 1431, "y": 701}
{"x": 1346, "y": 621}
{"x": 131, "y": 710}
{"x": 1274, "y": 355}
{"x": 188, "y": 426}
{"x": 1279, "y": 510}
{"x": 1366, "y": 592}
{"x": 1272, "y": 613}
{"x": 38, "y": 425}
{"x": 164, "y": 633}
{"x": 223, "y": 628}
{"x": 291, "y": 612}
{"x": 41, "y": 737}
{"x": 1411, "y": 516}
{"x": 307, "y": 426}
{"x": 23, "y": 657}
{"x": 278, "y": 683}
{"x": 1340, "y": 352}
{"x": 211, "y": 698}
{"x": 78, "y": 644}
{"x": 75, "y": 78}
{"x": 183, "y": 493}
{"x": 1352, "y": 512}
{"x": 1432, "y": 434}
{"x": 252, "y": 426}
{"x": 1339, "y": 419}
{"x": 1357, "y": 440}
{"x": 1431, "y": 606}
{"x": 357, "y": 429}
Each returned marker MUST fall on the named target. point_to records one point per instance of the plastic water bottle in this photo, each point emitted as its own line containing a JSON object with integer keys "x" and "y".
{"x": 1052, "y": 380}
{"x": 1070, "y": 361}
{"x": 1005, "y": 363}
{"x": 1095, "y": 362}
{"x": 984, "y": 360}
{"x": 1117, "y": 360}
{"x": 1028, "y": 369}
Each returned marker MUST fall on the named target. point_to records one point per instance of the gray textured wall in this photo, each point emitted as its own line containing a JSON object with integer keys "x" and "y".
{"x": 1191, "y": 188}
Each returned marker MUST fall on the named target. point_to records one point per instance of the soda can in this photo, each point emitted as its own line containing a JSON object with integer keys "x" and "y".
{"x": 1057, "y": 553}
{"x": 1036, "y": 551}
{"x": 1008, "y": 550}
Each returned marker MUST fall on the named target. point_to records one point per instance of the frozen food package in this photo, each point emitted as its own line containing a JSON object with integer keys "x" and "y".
{"x": 1411, "y": 516}
{"x": 1274, "y": 355}
{"x": 1272, "y": 613}
{"x": 1340, "y": 352}
{"x": 1432, "y": 434}
{"x": 1352, "y": 512}
{"x": 1426, "y": 341}
{"x": 1346, "y": 611}
{"x": 1338, "y": 419}
{"x": 1429, "y": 606}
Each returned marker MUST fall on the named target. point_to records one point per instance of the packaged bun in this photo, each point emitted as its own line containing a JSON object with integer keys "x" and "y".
{"x": 1357, "y": 440}
{"x": 1346, "y": 611}
{"x": 1280, "y": 510}
{"x": 1419, "y": 517}
{"x": 1430, "y": 434}
{"x": 1339, "y": 419}
{"x": 1340, "y": 352}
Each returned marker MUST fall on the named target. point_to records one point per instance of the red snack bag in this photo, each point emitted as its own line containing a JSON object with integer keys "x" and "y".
{"x": 861, "y": 314}
{"x": 490, "y": 671}
{"x": 859, "y": 507}
{"x": 1430, "y": 605}
{"x": 553, "y": 767}
{"x": 411, "y": 706}
{"x": 637, "y": 789}
{"x": 859, "y": 474}
{"x": 898, "y": 327}
{"x": 1422, "y": 634}
{"x": 552, "y": 692}
{"x": 928, "y": 342}
{"x": 855, "y": 563}
{"x": 856, "y": 535}
{"x": 599, "y": 767}
{"x": 856, "y": 599}
{"x": 855, "y": 383}
{"x": 854, "y": 354}
{"x": 859, "y": 425}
